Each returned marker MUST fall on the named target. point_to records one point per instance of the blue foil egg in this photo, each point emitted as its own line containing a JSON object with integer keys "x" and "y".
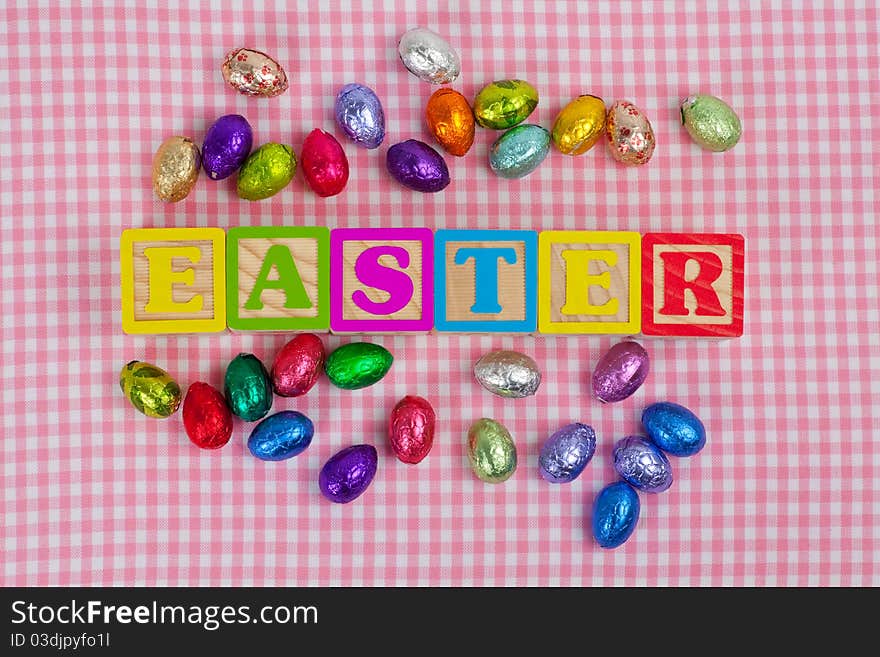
{"x": 519, "y": 151}
{"x": 566, "y": 453}
{"x": 281, "y": 436}
{"x": 674, "y": 428}
{"x": 642, "y": 464}
{"x": 360, "y": 115}
{"x": 615, "y": 514}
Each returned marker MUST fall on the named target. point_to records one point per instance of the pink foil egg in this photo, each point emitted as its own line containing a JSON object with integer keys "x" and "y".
{"x": 324, "y": 163}
{"x": 621, "y": 371}
{"x": 298, "y": 365}
{"x": 411, "y": 429}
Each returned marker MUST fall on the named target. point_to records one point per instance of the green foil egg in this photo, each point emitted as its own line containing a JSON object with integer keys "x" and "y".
{"x": 149, "y": 389}
{"x": 247, "y": 387}
{"x": 358, "y": 365}
{"x": 491, "y": 451}
{"x": 504, "y": 103}
{"x": 266, "y": 172}
{"x": 711, "y": 122}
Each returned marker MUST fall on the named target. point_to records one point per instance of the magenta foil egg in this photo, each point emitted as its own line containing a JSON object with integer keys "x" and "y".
{"x": 621, "y": 371}
{"x": 324, "y": 164}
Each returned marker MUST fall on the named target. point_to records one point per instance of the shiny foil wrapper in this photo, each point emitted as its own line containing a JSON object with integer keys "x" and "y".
{"x": 519, "y": 151}
{"x": 254, "y": 73}
{"x": 620, "y": 371}
{"x": 227, "y": 144}
{"x": 206, "y": 417}
{"x": 566, "y": 453}
{"x": 491, "y": 451}
{"x": 360, "y": 116}
{"x": 150, "y": 389}
{"x": 358, "y": 365}
{"x": 642, "y": 464}
{"x": 411, "y": 429}
{"x": 504, "y": 103}
{"x": 579, "y": 125}
{"x": 416, "y": 165}
{"x": 298, "y": 365}
{"x": 630, "y": 136}
{"x": 508, "y": 374}
{"x": 615, "y": 514}
{"x": 324, "y": 164}
{"x": 281, "y": 436}
{"x": 451, "y": 121}
{"x": 348, "y": 473}
{"x": 176, "y": 168}
{"x": 674, "y": 428}
{"x": 267, "y": 171}
{"x": 429, "y": 56}
{"x": 711, "y": 122}
{"x": 247, "y": 388}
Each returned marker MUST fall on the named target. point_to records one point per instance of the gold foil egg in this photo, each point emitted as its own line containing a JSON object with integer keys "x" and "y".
{"x": 504, "y": 103}
{"x": 491, "y": 451}
{"x": 176, "y": 168}
{"x": 630, "y": 136}
{"x": 579, "y": 125}
{"x": 267, "y": 171}
{"x": 451, "y": 121}
{"x": 711, "y": 122}
{"x": 149, "y": 389}
{"x": 253, "y": 73}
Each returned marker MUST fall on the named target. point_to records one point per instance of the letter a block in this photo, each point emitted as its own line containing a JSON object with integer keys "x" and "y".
{"x": 278, "y": 278}
{"x": 693, "y": 284}
{"x": 173, "y": 280}
{"x": 381, "y": 280}
{"x": 589, "y": 282}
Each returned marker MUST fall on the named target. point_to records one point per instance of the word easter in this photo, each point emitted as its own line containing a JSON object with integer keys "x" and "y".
{"x": 405, "y": 280}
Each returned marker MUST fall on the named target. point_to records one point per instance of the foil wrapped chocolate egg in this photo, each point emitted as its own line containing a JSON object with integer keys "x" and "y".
{"x": 615, "y": 514}
{"x": 620, "y": 371}
{"x": 253, "y": 73}
{"x": 504, "y": 103}
{"x": 491, "y": 451}
{"x": 358, "y": 365}
{"x": 411, "y": 429}
{"x": 348, "y": 473}
{"x": 674, "y": 428}
{"x": 451, "y": 121}
{"x": 206, "y": 417}
{"x": 175, "y": 168}
{"x": 566, "y": 453}
{"x": 508, "y": 374}
{"x": 711, "y": 122}
{"x": 641, "y": 463}
{"x": 281, "y": 436}
{"x": 247, "y": 388}
{"x": 324, "y": 164}
{"x": 429, "y": 56}
{"x": 416, "y": 165}
{"x": 227, "y": 144}
{"x": 519, "y": 151}
{"x": 579, "y": 125}
{"x": 630, "y": 136}
{"x": 150, "y": 389}
{"x": 360, "y": 115}
{"x": 267, "y": 171}
{"x": 298, "y": 365}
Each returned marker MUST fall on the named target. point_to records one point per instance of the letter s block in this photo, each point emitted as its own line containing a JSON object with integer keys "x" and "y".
{"x": 173, "y": 280}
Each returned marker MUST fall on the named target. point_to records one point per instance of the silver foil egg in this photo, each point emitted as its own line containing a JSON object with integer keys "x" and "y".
{"x": 508, "y": 374}
{"x": 567, "y": 452}
{"x": 642, "y": 464}
{"x": 429, "y": 56}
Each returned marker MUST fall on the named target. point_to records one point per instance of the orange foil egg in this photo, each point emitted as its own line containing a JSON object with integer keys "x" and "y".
{"x": 451, "y": 121}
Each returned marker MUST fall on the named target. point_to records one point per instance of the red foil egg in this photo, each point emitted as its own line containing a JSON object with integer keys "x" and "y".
{"x": 298, "y": 365}
{"x": 411, "y": 429}
{"x": 206, "y": 417}
{"x": 324, "y": 163}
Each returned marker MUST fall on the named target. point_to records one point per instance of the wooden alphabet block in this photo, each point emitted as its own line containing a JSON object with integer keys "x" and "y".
{"x": 173, "y": 280}
{"x": 589, "y": 282}
{"x": 486, "y": 281}
{"x": 278, "y": 278}
{"x": 381, "y": 280}
{"x": 693, "y": 284}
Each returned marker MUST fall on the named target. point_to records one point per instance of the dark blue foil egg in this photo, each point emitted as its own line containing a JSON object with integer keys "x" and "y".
{"x": 416, "y": 165}
{"x": 674, "y": 428}
{"x": 360, "y": 115}
{"x": 227, "y": 145}
{"x": 615, "y": 514}
{"x": 567, "y": 452}
{"x": 281, "y": 436}
{"x": 642, "y": 464}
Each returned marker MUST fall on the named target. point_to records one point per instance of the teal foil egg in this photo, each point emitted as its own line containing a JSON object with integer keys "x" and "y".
{"x": 519, "y": 151}
{"x": 247, "y": 387}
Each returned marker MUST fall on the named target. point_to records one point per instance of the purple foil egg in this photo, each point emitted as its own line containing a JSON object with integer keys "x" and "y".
{"x": 360, "y": 115}
{"x": 227, "y": 145}
{"x": 621, "y": 371}
{"x": 567, "y": 452}
{"x": 416, "y": 165}
{"x": 348, "y": 473}
{"x": 642, "y": 464}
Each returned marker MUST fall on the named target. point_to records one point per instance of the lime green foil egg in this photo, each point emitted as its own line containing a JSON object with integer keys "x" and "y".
{"x": 358, "y": 365}
{"x": 491, "y": 451}
{"x": 504, "y": 103}
{"x": 267, "y": 171}
{"x": 149, "y": 389}
{"x": 248, "y": 388}
{"x": 711, "y": 122}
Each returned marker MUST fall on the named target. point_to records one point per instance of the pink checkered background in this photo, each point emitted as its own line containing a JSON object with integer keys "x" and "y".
{"x": 786, "y": 490}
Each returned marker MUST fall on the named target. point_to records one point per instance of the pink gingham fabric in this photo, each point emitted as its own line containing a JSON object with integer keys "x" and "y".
{"x": 785, "y": 492}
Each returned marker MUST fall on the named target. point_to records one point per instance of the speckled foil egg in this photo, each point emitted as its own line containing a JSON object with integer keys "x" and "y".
{"x": 267, "y": 171}
{"x": 519, "y": 151}
{"x": 429, "y": 56}
{"x": 206, "y": 417}
{"x": 620, "y": 371}
{"x": 358, "y": 365}
{"x": 227, "y": 145}
{"x": 630, "y": 136}
{"x": 324, "y": 164}
{"x": 451, "y": 121}
{"x": 711, "y": 122}
{"x": 615, "y": 514}
{"x": 674, "y": 428}
{"x": 416, "y": 165}
{"x": 175, "y": 168}
{"x": 247, "y": 387}
{"x": 504, "y": 103}
{"x": 508, "y": 374}
{"x": 579, "y": 125}
{"x": 566, "y": 453}
{"x": 348, "y": 473}
{"x": 298, "y": 365}
{"x": 360, "y": 115}
{"x": 254, "y": 73}
{"x": 641, "y": 463}
{"x": 149, "y": 389}
{"x": 491, "y": 451}
{"x": 281, "y": 436}
{"x": 411, "y": 428}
